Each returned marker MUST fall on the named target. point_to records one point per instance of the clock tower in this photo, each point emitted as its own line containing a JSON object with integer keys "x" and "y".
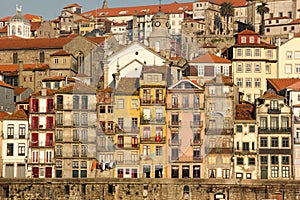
{"x": 159, "y": 38}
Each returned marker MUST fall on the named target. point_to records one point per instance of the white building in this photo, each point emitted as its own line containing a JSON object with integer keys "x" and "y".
{"x": 15, "y": 145}
{"x": 18, "y": 25}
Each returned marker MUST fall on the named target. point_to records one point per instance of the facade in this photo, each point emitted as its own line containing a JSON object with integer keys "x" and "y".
{"x": 75, "y": 144}
{"x": 274, "y": 137}
{"x": 15, "y": 145}
{"x": 7, "y": 103}
{"x": 219, "y": 118}
{"x": 185, "y": 130}
{"x": 41, "y": 163}
{"x": 253, "y": 60}
{"x": 245, "y": 143}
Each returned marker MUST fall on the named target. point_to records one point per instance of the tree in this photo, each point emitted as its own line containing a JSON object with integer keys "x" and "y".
{"x": 227, "y": 11}
{"x": 262, "y": 9}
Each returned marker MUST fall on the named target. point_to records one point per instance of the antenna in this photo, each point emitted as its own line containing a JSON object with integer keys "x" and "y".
{"x": 159, "y": 8}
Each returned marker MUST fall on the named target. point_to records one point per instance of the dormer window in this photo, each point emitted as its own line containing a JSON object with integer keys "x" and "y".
{"x": 252, "y": 39}
{"x": 243, "y": 39}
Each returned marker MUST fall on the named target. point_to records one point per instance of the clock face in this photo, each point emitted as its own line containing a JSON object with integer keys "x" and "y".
{"x": 157, "y": 24}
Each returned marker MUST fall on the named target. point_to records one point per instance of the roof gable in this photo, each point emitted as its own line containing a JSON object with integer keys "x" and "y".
{"x": 210, "y": 58}
{"x": 185, "y": 84}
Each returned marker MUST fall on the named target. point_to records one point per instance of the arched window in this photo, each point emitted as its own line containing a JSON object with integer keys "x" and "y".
{"x": 186, "y": 192}
{"x": 19, "y": 30}
{"x": 13, "y": 30}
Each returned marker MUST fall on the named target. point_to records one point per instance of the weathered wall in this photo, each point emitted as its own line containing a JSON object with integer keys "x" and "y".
{"x": 150, "y": 189}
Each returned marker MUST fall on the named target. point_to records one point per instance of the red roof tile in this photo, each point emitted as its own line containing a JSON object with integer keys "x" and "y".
{"x": 296, "y": 21}
{"x": 5, "y": 19}
{"x": 77, "y": 88}
{"x": 295, "y": 86}
{"x": 209, "y": 58}
{"x": 3, "y": 84}
{"x": 19, "y": 114}
{"x": 58, "y": 78}
{"x": 97, "y": 40}
{"x": 61, "y": 53}
{"x": 14, "y": 67}
{"x": 244, "y": 112}
{"x": 73, "y": 5}
{"x": 247, "y": 32}
{"x": 271, "y": 94}
{"x": 281, "y": 83}
{"x": 50, "y": 92}
{"x": 35, "y": 25}
{"x": 141, "y": 10}
{"x": 235, "y": 3}
{"x": 31, "y": 17}
{"x": 275, "y": 18}
{"x": 3, "y": 115}
{"x": 19, "y": 90}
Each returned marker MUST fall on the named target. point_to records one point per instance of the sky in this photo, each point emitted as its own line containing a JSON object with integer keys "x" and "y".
{"x": 50, "y": 9}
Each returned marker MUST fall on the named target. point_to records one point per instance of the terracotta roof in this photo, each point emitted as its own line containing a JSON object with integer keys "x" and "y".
{"x": 35, "y": 25}
{"x": 50, "y": 92}
{"x": 73, "y": 5}
{"x": 61, "y": 53}
{"x": 3, "y": 84}
{"x": 295, "y": 86}
{"x": 235, "y": 3}
{"x": 27, "y": 67}
{"x": 282, "y": 83}
{"x": 5, "y": 19}
{"x": 297, "y": 105}
{"x": 29, "y": 17}
{"x": 275, "y": 18}
{"x": 244, "y": 112}
{"x": 97, "y": 40}
{"x": 247, "y": 32}
{"x": 225, "y": 80}
{"x": 164, "y": 70}
{"x": 3, "y": 30}
{"x": 25, "y": 101}
{"x": 19, "y": 90}
{"x": 209, "y": 58}
{"x": 19, "y": 114}
{"x": 41, "y": 43}
{"x": 193, "y": 70}
{"x": 271, "y": 94}
{"x": 128, "y": 86}
{"x": 59, "y": 78}
{"x": 296, "y": 21}
{"x": 141, "y": 10}
{"x": 3, "y": 115}
{"x": 77, "y": 87}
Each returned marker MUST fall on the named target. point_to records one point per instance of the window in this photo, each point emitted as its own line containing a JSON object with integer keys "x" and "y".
{"x": 251, "y": 129}
{"x": 84, "y": 102}
{"x": 239, "y": 52}
{"x": 285, "y": 142}
{"x": 285, "y": 160}
{"x": 246, "y": 146}
{"x": 59, "y": 119}
{"x": 60, "y": 101}
{"x": 257, "y": 52}
{"x": 274, "y": 142}
{"x": 21, "y": 149}
{"x": 75, "y": 102}
{"x": 174, "y": 154}
{"x": 297, "y": 68}
{"x": 84, "y": 135}
{"x": 48, "y": 156}
{"x": 76, "y": 119}
{"x": 297, "y": 54}
{"x": 58, "y": 150}
{"x": 84, "y": 150}
{"x": 10, "y": 131}
{"x": 263, "y": 142}
{"x": 239, "y": 128}
{"x": 240, "y": 161}
{"x": 10, "y": 149}
{"x": 248, "y": 82}
{"x": 120, "y": 103}
{"x": 274, "y": 171}
{"x": 251, "y": 161}
{"x": 257, "y": 67}
{"x": 49, "y": 139}
{"x": 285, "y": 172}
{"x": 239, "y": 82}
{"x": 134, "y": 104}
{"x": 289, "y": 55}
{"x": 257, "y": 82}
{"x": 212, "y": 173}
{"x": 75, "y": 135}
{"x": 274, "y": 121}
{"x": 55, "y": 60}
{"x": 268, "y": 69}
{"x": 269, "y": 53}
{"x": 226, "y": 173}
{"x": 251, "y": 39}
{"x": 288, "y": 68}
{"x": 239, "y": 175}
{"x": 75, "y": 150}
{"x": 248, "y": 67}
{"x": 243, "y": 39}
{"x": 58, "y": 164}
{"x": 158, "y": 151}
{"x": 21, "y": 131}
{"x": 110, "y": 109}
{"x": 263, "y": 159}
{"x": 274, "y": 160}
{"x": 239, "y": 67}
{"x": 248, "y": 52}
{"x": 102, "y": 109}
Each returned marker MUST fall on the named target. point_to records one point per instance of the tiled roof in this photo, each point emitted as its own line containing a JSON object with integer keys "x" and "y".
{"x": 235, "y": 3}
{"x": 27, "y": 67}
{"x": 127, "y": 86}
{"x": 296, "y": 21}
{"x": 295, "y": 86}
{"x": 141, "y": 10}
{"x": 3, "y": 30}
{"x": 73, "y": 5}
{"x": 244, "y": 112}
{"x": 209, "y": 58}
{"x": 19, "y": 90}
{"x": 156, "y": 69}
{"x": 193, "y": 70}
{"x": 225, "y": 80}
{"x": 3, "y": 115}
{"x": 41, "y": 43}
{"x": 5, "y": 19}
{"x": 31, "y": 17}
{"x": 25, "y": 101}
{"x": 282, "y": 83}
{"x": 97, "y": 40}
{"x": 3, "y": 84}
{"x": 19, "y": 114}
{"x": 50, "y": 92}
{"x": 77, "y": 87}
{"x": 275, "y": 18}
{"x": 247, "y": 32}
{"x": 35, "y": 25}
{"x": 271, "y": 94}
{"x": 58, "y": 78}
{"x": 61, "y": 53}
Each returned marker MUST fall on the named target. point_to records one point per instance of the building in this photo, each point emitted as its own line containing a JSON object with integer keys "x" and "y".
{"x": 7, "y": 102}
{"x": 18, "y": 25}
{"x": 15, "y": 145}
{"x": 76, "y": 120}
{"x": 185, "y": 130}
{"x": 274, "y": 137}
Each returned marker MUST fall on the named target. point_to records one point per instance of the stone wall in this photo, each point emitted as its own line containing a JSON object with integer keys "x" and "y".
{"x": 148, "y": 189}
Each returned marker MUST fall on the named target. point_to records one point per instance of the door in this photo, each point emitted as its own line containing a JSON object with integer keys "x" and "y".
{"x": 9, "y": 171}
{"x": 264, "y": 172}
{"x": 21, "y": 171}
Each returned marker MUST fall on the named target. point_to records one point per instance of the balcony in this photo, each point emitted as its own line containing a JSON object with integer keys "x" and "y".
{"x": 153, "y": 140}
{"x": 127, "y": 146}
{"x": 274, "y": 111}
{"x": 275, "y": 151}
{"x": 131, "y": 129}
{"x": 150, "y": 120}
{"x": 174, "y": 142}
{"x": 186, "y": 159}
{"x": 244, "y": 152}
{"x": 196, "y": 124}
{"x": 128, "y": 162}
{"x": 153, "y": 101}
{"x": 174, "y": 124}
{"x": 219, "y": 131}
{"x": 218, "y": 150}
{"x": 274, "y": 130}
{"x": 196, "y": 142}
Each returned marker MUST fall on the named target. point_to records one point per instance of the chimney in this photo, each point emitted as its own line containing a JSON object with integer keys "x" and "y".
{"x": 20, "y": 72}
